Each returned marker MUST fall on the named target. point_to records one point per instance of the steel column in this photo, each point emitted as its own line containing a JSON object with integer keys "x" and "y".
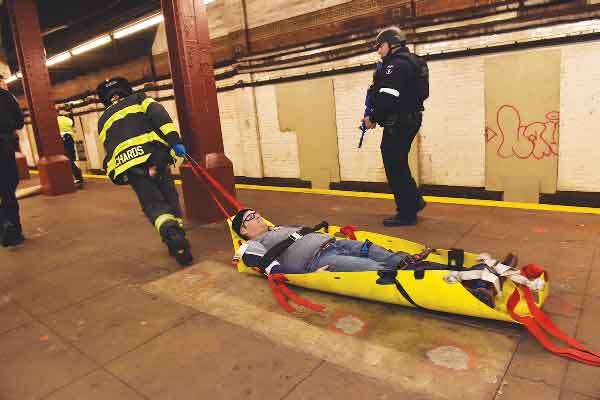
{"x": 186, "y": 26}
{"x": 53, "y": 165}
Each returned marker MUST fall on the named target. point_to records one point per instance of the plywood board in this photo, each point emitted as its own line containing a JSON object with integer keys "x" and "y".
{"x": 308, "y": 108}
{"x": 522, "y": 102}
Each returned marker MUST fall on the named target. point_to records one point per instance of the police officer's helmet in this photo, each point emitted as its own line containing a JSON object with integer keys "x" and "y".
{"x": 392, "y": 35}
{"x": 113, "y": 86}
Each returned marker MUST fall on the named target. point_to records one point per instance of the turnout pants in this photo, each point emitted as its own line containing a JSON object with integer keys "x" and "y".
{"x": 9, "y": 179}
{"x": 395, "y": 146}
{"x": 158, "y": 197}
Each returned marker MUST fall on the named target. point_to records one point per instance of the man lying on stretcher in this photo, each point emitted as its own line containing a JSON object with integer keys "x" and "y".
{"x": 311, "y": 252}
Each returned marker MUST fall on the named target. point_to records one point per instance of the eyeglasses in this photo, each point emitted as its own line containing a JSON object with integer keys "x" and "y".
{"x": 250, "y": 216}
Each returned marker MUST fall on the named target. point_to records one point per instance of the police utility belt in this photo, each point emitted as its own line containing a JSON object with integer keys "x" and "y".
{"x": 393, "y": 118}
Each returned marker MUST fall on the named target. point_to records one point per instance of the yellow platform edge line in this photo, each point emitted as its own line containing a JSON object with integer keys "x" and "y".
{"x": 387, "y": 196}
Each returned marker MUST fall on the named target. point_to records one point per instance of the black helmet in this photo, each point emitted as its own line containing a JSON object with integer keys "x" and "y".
{"x": 110, "y": 87}
{"x": 392, "y": 35}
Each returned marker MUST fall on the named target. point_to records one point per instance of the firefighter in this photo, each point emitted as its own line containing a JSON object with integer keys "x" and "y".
{"x": 141, "y": 141}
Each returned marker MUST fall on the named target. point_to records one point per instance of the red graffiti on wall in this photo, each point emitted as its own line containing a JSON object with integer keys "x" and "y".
{"x": 536, "y": 140}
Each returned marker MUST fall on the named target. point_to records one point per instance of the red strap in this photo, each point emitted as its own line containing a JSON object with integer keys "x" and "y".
{"x": 211, "y": 193}
{"x": 543, "y": 319}
{"x": 279, "y": 289}
{"x": 349, "y": 230}
{"x": 195, "y": 165}
{"x": 280, "y": 299}
{"x": 540, "y": 321}
{"x": 532, "y": 271}
{"x": 299, "y": 300}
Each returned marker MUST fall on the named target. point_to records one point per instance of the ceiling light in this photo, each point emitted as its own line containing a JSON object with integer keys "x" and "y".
{"x": 138, "y": 26}
{"x": 58, "y": 58}
{"x": 92, "y": 44}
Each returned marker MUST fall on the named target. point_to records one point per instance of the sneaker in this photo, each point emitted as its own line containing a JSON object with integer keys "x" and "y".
{"x": 398, "y": 220}
{"x": 78, "y": 183}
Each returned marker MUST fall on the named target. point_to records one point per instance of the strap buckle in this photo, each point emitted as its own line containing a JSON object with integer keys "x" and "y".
{"x": 364, "y": 249}
{"x": 295, "y": 236}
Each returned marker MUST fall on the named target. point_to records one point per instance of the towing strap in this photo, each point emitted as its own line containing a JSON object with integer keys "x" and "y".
{"x": 538, "y": 324}
{"x": 213, "y": 185}
{"x": 280, "y": 291}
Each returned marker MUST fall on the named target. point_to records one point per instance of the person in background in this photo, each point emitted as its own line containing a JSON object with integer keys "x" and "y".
{"x": 399, "y": 88}
{"x": 11, "y": 119}
{"x": 65, "y": 125}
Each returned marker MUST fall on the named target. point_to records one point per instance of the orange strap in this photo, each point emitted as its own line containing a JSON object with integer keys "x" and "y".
{"x": 279, "y": 290}
{"x": 279, "y": 296}
{"x": 539, "y": 322}
{"x": 213, "y": 185}
{"x": 349, "y": 231}
{"x": 210, "y": 192}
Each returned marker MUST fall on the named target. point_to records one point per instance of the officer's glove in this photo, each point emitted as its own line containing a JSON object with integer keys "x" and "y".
{"x": 180, "y": 150}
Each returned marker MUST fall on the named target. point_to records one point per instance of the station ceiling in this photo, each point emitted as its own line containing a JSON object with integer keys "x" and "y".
{"x": 67, "y": 23}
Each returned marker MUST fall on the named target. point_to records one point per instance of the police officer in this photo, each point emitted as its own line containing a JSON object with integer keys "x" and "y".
{"x": 397, "y": 107}
{"x": 140, "y": 140}
{"x": 11, "y": 119}
{"x": 65, "y": 125}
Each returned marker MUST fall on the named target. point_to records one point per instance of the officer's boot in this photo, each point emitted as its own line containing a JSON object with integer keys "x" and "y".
{"x": 400, "y": 220}
{"x": 421, "y": 203}
{"x": 179, "y": 247}
{"x": 10, "y": 234}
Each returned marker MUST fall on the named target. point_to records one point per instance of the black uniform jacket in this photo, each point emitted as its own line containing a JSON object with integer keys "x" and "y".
{"x": 11, "y": 116}
{"x": 133, "y": 131}
{"x": 390, "y": 88}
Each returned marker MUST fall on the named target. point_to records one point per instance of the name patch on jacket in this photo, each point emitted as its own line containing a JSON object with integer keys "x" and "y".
{"x": 130, "y": 154}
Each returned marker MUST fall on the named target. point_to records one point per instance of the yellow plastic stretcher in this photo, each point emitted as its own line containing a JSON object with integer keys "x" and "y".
{"x": 427, "y": 290}
{"x": 431, "y": 292}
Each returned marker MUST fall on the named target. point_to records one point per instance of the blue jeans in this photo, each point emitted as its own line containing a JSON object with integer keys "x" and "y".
{"x": 344, "y": 256}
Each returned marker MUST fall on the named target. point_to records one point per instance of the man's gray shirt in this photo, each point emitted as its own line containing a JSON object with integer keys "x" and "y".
{"x": 295, "y": 259}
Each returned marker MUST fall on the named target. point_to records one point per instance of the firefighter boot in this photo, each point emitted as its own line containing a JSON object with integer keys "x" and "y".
{"x": 178, "y": 245}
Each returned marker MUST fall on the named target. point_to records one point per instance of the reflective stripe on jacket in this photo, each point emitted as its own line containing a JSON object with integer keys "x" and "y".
{"x": 131, "y": 131}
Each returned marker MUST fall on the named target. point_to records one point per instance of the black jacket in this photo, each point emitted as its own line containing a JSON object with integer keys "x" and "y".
{"x": 390, "y": 87}
{"x": 136, "y": 130}
{"x": 11, "y": 117}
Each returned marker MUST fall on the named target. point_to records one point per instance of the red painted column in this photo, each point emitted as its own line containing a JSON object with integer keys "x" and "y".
{"x": 54, "y": 167}
{"x": 196, "y": 99}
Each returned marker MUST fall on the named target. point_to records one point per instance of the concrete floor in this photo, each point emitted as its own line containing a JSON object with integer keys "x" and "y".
{"x": 92, "y": 307}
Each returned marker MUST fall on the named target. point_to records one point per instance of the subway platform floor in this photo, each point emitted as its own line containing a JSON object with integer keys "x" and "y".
{"x": 92, "y": 307}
